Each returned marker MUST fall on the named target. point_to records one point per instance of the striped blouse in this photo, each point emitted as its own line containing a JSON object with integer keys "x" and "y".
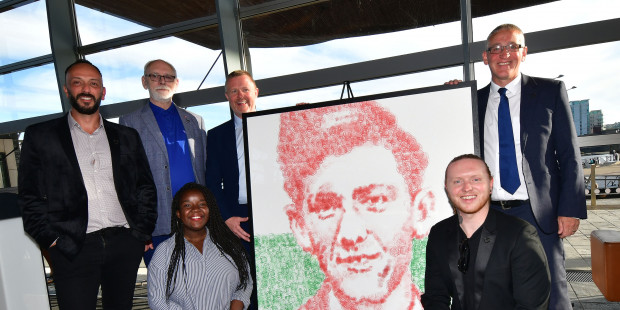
{"x": 211, "y": 281}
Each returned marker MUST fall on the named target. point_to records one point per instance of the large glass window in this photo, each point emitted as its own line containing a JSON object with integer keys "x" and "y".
{"x": 212, "y": 114}
{"x": 24, "y": 33}
{"x": 123, "y": 68}
{"x": 378, "y": 86}
{"x": 29, "y": 93}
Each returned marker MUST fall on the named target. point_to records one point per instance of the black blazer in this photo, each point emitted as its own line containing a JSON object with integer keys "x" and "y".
{"x": 511, "y": 266}
{"x": 551, "y": 156}
{"x": 52, "y": 194}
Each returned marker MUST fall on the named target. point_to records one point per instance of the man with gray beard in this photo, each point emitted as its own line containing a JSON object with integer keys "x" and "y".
{"x": 174, "y": 140}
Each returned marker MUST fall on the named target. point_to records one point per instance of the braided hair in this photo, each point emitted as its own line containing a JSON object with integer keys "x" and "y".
{"x": 224, "y": 239}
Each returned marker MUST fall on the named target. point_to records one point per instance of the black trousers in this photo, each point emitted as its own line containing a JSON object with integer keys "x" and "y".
{"x": 110, "y": 257}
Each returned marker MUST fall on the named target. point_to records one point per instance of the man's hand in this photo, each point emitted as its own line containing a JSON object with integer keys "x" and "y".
{"x": 452, "y": 82}
{"x": 148, "y": 245}
{"x": 567, "y": 226}
{"x": 234, "y": 223}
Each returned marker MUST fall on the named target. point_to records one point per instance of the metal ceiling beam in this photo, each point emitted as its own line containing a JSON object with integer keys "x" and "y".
{"x": 149, "y": 35}
{"x": 7, "y": 5}
{"x": 231, "y": 35}
{"x": 64, "y": 41}
{"x": 26, "y": 64}
{"x": 467, "y": 39}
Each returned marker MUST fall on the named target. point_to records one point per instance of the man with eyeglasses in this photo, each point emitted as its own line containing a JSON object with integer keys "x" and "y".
{"x": 530, "y": 144}
{"x": 481, "y": 258}
{"x": 174, "y": 140}
{"x": 225, "y": 175}
{"x": 87, "y": 195}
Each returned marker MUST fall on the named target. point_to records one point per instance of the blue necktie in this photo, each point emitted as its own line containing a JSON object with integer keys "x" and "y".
{"x": 508, "y": 172}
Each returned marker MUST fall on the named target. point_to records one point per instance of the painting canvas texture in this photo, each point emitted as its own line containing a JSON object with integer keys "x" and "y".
{"x": 343, "y": 195}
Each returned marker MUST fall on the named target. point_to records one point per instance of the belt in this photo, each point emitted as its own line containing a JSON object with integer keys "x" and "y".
{"x": 509, "y": 204}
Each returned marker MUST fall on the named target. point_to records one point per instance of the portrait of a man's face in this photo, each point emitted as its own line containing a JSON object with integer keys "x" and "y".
{"x": 343, "y": 197}
{"x": 355, "y": 184}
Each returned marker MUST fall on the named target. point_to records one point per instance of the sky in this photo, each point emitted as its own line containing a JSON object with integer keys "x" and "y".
{"x": 34, "y": 91}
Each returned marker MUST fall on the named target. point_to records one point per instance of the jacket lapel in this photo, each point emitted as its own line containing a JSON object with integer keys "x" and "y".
{"x": 485, "y": 247}
{"x": 149, "y": 121}
{"x": 528, "y": 98}
{"x": 453, "y": 258}
{"x": 115, "y": 150}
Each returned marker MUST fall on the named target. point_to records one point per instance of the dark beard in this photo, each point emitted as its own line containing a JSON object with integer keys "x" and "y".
{"x": 84, "y": 110}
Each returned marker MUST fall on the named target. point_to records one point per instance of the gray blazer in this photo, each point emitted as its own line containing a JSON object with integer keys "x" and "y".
{"x": 144, "y": 122}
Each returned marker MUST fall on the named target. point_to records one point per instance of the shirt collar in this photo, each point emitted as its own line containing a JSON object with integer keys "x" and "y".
{"x": 513, "y": 87}
{"x": 74, "y": 123}
{"x": 238, "y": 121}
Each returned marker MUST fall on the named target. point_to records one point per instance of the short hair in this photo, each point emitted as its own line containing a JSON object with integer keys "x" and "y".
{"x": 309, "y": 136}
{"x": 237, "y": 73}
{"x": 81, "y": 61}
{"x": 148, "y": 64}
{"x": 502, "y": 27}
{"x": 467, "y": 156}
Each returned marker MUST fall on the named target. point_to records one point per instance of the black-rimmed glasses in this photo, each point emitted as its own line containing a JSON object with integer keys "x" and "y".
{"x": 463, "y": 263}
{"x": 156, "y": 77}
{"x": 497, "y": 49}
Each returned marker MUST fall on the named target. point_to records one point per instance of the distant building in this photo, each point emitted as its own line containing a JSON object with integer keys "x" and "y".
{"x": 580, "y": 110}
{"x": 615, "y": 125}
{"x": 596, "y": 121}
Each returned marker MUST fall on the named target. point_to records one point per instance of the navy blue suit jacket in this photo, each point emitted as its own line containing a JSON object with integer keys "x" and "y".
{"x": 511, "y": 266}
{"x": 222, "y": 170}
{"x": 551, "y": 156}
{"x": 52, "y": 194}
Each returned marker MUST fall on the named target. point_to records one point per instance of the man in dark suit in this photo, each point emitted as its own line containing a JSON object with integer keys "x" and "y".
{"x": 225, "y": 168}
{"x": 87, "y": 195}
{"x": 174, "y": 140}
{"x": 550, "y": 188}
{"x": 481, "y": 258}
{"x": 539, "y": 165}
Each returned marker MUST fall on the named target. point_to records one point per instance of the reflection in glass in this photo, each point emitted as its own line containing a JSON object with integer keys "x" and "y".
{"x": 29, "y": 93}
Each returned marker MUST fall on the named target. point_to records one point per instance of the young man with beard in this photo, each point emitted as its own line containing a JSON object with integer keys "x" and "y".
{"x": 87, "y": 195}
{"x": 174, "y": 140}
{"x": 481, "y": 258}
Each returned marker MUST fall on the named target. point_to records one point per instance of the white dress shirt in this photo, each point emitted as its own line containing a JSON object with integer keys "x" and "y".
{"x": 491, "y": 138}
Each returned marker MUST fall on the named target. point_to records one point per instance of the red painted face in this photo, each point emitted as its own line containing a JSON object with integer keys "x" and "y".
{"x": 359, "y": 219}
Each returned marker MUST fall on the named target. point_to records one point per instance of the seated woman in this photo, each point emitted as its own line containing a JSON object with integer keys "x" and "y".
{"x": 203, "y": 266}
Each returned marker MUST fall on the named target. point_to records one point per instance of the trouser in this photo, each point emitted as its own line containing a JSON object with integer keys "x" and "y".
{"x": 109, "y": 257}
{"x": 554, "y": 249}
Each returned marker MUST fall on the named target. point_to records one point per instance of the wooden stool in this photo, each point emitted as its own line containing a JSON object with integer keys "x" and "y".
{"x": 605, "y": 251}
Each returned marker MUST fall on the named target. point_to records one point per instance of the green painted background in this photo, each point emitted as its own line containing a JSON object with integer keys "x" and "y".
{"x": 287, "y": 276}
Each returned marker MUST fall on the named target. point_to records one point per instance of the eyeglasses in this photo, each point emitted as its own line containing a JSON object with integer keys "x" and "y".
{"x": 156, "y": 77}
{"x": 463, "y": 263}
{"x": 497, "y": 49}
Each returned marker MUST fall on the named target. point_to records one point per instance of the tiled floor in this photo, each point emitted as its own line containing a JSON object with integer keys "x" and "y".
{"x": 585, "y": 294}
